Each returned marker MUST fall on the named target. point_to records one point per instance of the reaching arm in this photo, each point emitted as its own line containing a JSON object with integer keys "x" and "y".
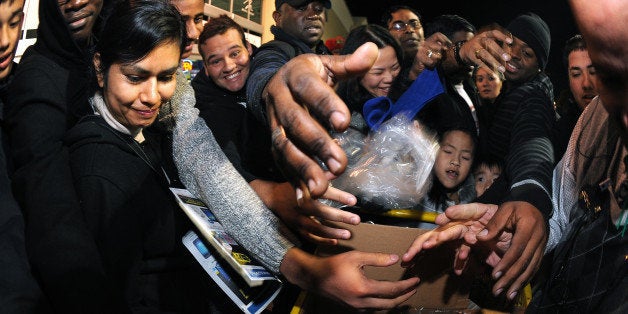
{"x": 255, "y": 227}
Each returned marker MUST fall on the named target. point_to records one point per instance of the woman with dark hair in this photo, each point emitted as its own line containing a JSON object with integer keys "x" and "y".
{"x": 378, "y": 81}
{"x": 123, "y": 191}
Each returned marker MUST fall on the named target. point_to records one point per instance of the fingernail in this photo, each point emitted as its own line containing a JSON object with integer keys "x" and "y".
{"x": 497, "y": 275}
{"x": 483, "y": 232}
{"x": 299, "y": 194}
{"x": 351, "y": 200}
{"x": 355, "y": 220}
{"x": 498, "y": 292}
{"x": 345, "y": 234}
{"x": 311, "y": 184}
{"x": 333, "y": 165}
{"x": 501, "y": 69}
{"x": 512, "y": 295}
{"x": 506, "y": 57}
{"x": 336, "y": 117}
{"x": 394, "y": 258}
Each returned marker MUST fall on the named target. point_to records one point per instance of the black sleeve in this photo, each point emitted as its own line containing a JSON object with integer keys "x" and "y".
{"x": 530, "y": 161}
{"x": 64, "y": 257}
{"x": 19, "y": 293}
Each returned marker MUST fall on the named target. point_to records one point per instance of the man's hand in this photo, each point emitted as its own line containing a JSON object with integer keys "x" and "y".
{"x": 299, "y": 98}
{"x": 515, "y": 234}
{"x": 341, "y": 277}
{"x": 484, "y": 49}
{"x": 429, "y": 54}
{"x": 316, "y": 211}
{"x": 302, "y": 213}
{"x": 529, "y": 236}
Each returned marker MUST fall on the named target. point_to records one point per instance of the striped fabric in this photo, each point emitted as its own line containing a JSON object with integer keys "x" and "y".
{"x": 520, "y": 136}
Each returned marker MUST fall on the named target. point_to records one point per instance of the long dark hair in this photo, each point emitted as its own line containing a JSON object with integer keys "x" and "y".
{"x": 350, "y": 91}
{"x": 136, "y": 27}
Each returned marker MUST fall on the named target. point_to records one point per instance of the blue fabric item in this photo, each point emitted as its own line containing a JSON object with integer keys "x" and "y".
{"x": 425, "y": 88}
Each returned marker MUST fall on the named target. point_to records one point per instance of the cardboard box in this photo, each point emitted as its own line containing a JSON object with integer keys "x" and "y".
{"x": 440, "y": 290}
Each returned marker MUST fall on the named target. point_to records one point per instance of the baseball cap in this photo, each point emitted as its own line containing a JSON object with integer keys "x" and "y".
{"x": 298, "y": 3}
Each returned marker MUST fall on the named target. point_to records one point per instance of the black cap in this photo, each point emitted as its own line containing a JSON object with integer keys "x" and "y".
{"x": 298, "y": 3}
{"x": 532, "y": 30}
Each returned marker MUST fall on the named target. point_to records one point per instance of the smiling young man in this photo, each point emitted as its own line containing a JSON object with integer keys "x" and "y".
{"x": 221, "y": 100}
{"x": 519, "y": 135}
{"x": 520, "y": 129}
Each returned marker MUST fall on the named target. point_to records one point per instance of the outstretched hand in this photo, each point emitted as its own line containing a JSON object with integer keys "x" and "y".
{"x": 312, "y": 211}
{"x": 522, "y": 259}
{"x": 515, "y": 234}
{"x": 484, "y": 49}
{"x": 459, "y": 222}
{"x": 341, "y": 277}
{"x": 430, "y": 53}
{"x": 302, "y": 213}
{"x": 301, "y": 105}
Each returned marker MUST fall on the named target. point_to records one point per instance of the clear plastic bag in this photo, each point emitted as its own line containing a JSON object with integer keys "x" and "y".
{"x": 390, "y": 167}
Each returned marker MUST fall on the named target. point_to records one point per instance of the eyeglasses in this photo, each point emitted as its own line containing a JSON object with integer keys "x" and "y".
{"x": 401, "y": 26}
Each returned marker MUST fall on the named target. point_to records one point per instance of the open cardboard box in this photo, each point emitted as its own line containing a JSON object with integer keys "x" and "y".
{"x": 440, "y": 290}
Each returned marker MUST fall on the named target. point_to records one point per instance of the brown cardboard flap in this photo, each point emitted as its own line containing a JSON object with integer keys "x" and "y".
{"x": 440, "y": 288}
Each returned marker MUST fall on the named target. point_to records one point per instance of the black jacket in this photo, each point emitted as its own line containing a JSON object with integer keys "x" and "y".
{"x": 520, "y": 135}
{"x": 19, "y": 292}
{"x": 135, "y": 223}
{"x": 244, "y": 140}
{"x": 449, "y": 110}
{"x": 49, "y": 93}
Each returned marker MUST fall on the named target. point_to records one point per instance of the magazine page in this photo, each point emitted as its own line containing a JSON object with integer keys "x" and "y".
{"x": 251, "y": 300}
{"x": 251, "y": 271}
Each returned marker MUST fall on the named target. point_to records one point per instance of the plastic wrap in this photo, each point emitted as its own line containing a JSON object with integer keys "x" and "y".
{"x": 390, "y": 167}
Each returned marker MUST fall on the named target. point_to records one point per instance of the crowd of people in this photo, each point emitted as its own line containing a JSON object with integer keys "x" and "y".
{"x": 98, "y": 122}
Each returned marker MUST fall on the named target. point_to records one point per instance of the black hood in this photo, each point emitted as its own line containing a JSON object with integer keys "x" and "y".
{"x": 54, "y": 39}
{"x": 55, "y": 42}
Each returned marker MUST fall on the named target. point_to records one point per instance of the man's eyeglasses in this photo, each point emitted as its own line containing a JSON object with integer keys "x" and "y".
{"x": 401, "y": 26}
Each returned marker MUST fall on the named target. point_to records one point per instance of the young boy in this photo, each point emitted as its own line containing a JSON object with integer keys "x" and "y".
{"x": 485, "y": 173}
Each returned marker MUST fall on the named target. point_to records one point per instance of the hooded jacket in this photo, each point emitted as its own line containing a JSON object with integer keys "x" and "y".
{"x": 49, "y": 94}
{"x": 19, "y": 292}
{"x": 135, "y": 222}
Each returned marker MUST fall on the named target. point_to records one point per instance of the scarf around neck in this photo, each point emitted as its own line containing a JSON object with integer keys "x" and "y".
{"x": 100, "y": 107}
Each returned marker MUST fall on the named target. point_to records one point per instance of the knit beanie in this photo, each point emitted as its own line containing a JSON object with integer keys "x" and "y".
{"x": 532, "y": 30}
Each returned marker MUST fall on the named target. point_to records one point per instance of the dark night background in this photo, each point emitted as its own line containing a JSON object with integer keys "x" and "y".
{"x": 556, "y": 14}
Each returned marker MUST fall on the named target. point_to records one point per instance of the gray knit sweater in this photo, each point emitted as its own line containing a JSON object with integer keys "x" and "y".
{"x": 207, "y": 173}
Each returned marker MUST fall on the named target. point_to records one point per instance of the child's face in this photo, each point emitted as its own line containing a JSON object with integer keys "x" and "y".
{"x": 484, "y": 178}
{"x": 454, "y": 159}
